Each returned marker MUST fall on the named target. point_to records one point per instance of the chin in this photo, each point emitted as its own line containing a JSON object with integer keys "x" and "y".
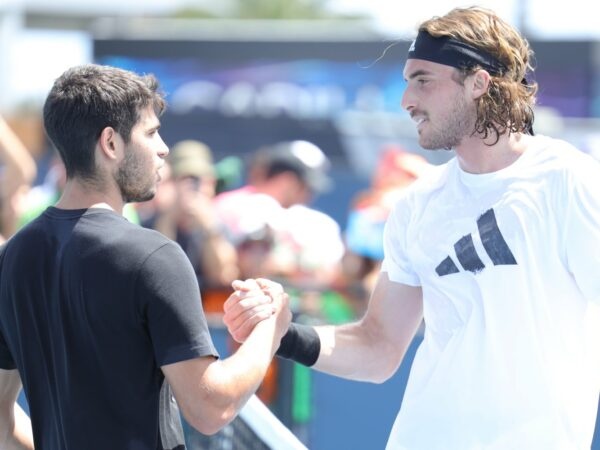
{"x": 139, "y": 197}
{"x": 427, "y": 145}
{"x": 148, "y": 196}
{"x": 433, "y": 146}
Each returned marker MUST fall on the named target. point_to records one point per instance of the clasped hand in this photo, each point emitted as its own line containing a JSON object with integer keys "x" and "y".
{"x": 253, "y": 301}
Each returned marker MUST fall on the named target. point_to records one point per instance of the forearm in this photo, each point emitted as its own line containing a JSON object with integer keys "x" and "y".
{"x": 20, "y": 171}
{"x": 19, "y": 162}
{"x": 355, "y": 352}
{"x": 246, "y": 368}
{"x": 232, "y": 381}
{"x": 15, "y": 427}
{"x": 219, "y": 259}
{"x": 368, "y": 350}
{"x": 15, "y": 432}
{"x": 373, "y": 348}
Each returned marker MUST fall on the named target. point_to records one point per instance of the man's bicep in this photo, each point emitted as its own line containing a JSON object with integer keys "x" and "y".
{"x": 373, "y": 348}
{"x": 184, "y": 376}
{"x": 186, "y": 379}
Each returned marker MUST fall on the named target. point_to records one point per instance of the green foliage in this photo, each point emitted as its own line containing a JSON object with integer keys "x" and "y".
{"x": 270, "y": 9}
{"x": 282, "y": 9}
{"x": 193, "y": 13}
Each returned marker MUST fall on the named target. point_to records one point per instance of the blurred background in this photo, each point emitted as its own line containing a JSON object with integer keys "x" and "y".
{"x": 243, "y": 74}
{"x": 328, "y": 71}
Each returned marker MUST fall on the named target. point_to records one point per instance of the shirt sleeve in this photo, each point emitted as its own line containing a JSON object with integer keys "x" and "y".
{"x": 171, "y": 305}
{"x": 396, "y": 261}
{"x": 6, "y": 359}
{"x": 582, "y": 228}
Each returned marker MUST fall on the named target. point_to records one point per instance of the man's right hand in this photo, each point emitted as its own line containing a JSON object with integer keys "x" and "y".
{"x": 252, "y": 302}
{"x": 211, "y": 392}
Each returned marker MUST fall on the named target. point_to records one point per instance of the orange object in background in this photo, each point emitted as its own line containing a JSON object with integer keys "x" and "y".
{"x": 213, "y": 299}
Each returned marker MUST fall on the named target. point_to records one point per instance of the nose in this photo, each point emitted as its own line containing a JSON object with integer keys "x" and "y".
{"x": 408, "y": 99}
{"x": 163, "y": 149}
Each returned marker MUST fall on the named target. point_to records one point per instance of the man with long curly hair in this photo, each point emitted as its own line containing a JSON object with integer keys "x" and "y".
{"x": 498, "y": 251}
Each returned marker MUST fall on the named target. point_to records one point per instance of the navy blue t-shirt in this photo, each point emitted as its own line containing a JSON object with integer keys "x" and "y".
{"x": 91, "y": 306}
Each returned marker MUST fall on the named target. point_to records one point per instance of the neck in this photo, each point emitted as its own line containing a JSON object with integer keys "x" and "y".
{"x": 79, "y": 194}
{"x": 475, "y": 156}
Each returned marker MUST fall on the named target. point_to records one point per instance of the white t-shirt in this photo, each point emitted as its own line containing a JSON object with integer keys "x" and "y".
{"x": 509, "y": 264}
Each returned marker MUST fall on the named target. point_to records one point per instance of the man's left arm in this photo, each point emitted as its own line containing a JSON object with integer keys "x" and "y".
{"x": 15, "y": 426}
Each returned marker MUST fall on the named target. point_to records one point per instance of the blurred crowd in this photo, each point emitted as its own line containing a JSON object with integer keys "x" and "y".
{"x": 244, "y": 218}
{"x": 238, "y": 219}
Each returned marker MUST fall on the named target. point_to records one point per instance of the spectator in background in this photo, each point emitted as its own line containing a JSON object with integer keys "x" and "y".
{"x": 396, "y": 169}
{"x": 18, "y": 173}
{"x": 277, "y": 234}
{"x": 306, "y": 244}
{"x": 184, "y": 211}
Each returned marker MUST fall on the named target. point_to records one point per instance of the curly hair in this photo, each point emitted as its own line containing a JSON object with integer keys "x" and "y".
{"x": 507, "y": 106}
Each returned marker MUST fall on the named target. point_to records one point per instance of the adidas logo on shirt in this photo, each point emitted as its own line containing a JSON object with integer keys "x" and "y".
{"x": 493, "y": 242}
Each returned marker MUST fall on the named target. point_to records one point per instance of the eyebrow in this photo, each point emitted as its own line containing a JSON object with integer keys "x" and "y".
{"x": 154, "y": 126}
{"x": 417, "y": 73}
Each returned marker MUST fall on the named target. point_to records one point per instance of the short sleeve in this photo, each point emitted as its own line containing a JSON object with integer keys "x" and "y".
{"x": 6, "y": 359}
{"x": 396, "y": 262}
{"x": 168, "y": 292}
{"x": 582, "y": 228}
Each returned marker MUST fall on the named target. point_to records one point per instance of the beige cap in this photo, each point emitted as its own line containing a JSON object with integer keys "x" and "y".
{"x": 191, "y": 158}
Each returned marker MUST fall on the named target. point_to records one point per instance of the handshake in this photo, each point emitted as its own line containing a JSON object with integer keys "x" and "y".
{"x": 252, "y": 302}
{"x": 261, "y": 301}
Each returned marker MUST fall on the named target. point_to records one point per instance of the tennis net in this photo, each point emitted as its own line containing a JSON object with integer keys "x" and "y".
{"x": 255, "y": 428}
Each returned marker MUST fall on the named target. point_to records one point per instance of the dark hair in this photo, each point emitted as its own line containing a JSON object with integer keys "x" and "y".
{"x": 85, "y": 100}
{"x": 508, "y": 104}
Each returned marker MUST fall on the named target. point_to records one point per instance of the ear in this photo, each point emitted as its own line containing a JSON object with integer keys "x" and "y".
{"x": 109, "y": 143}
{"x": 480, "y": 81}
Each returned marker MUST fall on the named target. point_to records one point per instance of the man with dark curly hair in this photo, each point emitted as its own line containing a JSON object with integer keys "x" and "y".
{"x": 498, "y": 251}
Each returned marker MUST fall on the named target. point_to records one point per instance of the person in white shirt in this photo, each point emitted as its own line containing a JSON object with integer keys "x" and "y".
{"x": 498, "y": 251}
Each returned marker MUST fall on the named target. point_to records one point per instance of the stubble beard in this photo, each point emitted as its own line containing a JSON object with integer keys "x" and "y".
{"x": 451, "y": 128}
{"x": 134, "y": 180}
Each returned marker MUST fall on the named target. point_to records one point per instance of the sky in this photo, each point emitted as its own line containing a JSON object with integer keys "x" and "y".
{"x": 31, "y": 77}
{"x": 573, "y": 18}
{"x": 544, "y": 18}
